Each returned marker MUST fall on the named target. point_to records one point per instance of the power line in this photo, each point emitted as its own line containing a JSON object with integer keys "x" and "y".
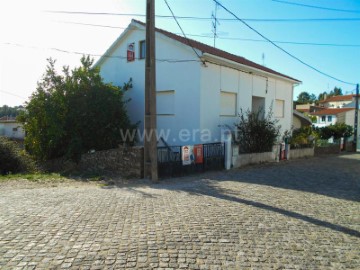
{"x": 99, "y": 55}
{"x": 188, "y": 41}
{"x": 283, "y": 50}
{"x": 317, "y": 7}
{"x": 204, "y": 18}
{"x": 225, "y": 38}
{"x": 9, "y": 93}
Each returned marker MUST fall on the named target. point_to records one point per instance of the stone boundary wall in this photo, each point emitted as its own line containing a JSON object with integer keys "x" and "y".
{"x": 127, "y": 161}
{"x": 301, "y": 153}
{"x": 328, "y": 150}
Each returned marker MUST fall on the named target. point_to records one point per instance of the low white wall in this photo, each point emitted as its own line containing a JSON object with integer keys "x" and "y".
{"x": 301, "y": 153}
{"x": 240, "y": 160}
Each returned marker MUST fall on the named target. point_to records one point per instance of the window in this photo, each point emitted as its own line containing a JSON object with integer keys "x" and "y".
{"x": 142, "y": 48}
{"x": 279, "y": 108}
{"x": 329, "y": 118}
{"x": 227, "y": 104}
{"x": 323, "y": 118}
{"x": 165, "y": 102}
{"x": 15, "y": 129}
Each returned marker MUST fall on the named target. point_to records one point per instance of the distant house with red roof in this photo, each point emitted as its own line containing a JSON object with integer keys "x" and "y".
{"x": 199, "y": 88}
{"x": 329, "y": 116}
{"x": 337, "y": 101}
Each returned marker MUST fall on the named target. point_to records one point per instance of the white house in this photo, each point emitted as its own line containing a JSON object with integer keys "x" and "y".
{"x": 196, "y": 97}
{"x": 337, "y": 101}
{"x": 11, "y": 129}
{"x": 327, "y": 117}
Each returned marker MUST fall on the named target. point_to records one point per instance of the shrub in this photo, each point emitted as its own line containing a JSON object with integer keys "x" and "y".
{"x": 256, "y": 133}
{"x": 304, "y": 136}
{"x": 73, "y": 112}
{"x": 336, "y": 131}
{"x": 13, "y": 159}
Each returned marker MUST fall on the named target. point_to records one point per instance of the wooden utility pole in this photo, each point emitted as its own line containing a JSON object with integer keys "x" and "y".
{"x": 150, "y": 140}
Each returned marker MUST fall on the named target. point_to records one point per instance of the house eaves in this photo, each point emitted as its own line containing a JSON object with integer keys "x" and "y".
{"x": 113, "y": 46}
{"x": 246, "y": 68}
{"x": 207, "y": 53}
{"x": 302, "y": 117}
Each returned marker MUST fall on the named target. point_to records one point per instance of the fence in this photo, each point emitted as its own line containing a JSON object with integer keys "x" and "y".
{"x": 170, "y": 160}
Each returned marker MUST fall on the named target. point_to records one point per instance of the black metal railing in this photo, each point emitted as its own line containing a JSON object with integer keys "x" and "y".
{"x": 170, "y": 162}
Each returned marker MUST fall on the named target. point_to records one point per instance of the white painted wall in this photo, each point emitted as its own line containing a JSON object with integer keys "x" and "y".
{"x": 215, "y": 78}
{"x": 196, "y": 90}
{"x": 12, "y": 130}
{"x": 181, "y": 77}
{"x": 347, "y": 117}
{"x": 321, "y": 123}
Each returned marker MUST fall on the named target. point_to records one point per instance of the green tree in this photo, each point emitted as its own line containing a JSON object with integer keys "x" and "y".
{"x": 73, "y": 112}
{"x": 337, "y": 131}
{"x": 256, "y": 133}
{"x": 336, "y": 92}
{"x": 10, "y": 111}
{"x": 305, "y": 98}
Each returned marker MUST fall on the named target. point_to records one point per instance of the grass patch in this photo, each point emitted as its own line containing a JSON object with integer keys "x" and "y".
{"x": 34, "y": 177}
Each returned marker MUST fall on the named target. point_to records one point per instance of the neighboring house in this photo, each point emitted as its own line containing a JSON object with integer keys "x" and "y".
{"x": 347, "y": 117}
{"x": 327, "y": 117}
{"x": 304, "y": 108}
{"x": 195, "y": 97}
{"x": 11, "y": 129}
{"x": 337, "y": 101}
{"x": 300, "y": 120}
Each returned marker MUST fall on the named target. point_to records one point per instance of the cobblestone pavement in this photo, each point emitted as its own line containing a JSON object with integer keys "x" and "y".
{"x": 302, "y": 214}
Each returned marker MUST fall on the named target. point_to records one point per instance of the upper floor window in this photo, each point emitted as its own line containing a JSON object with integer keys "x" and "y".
{"x": 279, "y": 108}
{"x": 323, "y": 118}
{"x": 329, "y": 118}
{"x": 227, "y": 103}
{"x": 142, "y": 48}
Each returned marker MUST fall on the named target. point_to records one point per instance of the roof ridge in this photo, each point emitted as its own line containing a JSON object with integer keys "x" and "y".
{"x": 217, "y": 52}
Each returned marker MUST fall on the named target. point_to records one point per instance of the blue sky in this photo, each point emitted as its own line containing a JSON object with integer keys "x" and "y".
{"x": 31, "y": 35}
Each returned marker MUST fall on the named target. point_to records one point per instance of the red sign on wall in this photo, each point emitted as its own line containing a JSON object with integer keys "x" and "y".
{"x": 131, "y": 52}
{"x": 198, "y": 152}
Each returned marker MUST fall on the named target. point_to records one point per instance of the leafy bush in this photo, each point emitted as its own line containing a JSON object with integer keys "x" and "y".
{"x": 336, "y": 131}
{"x": 13, "y": 159}
{"x": 303, "y": 137}
{"x": 73, "y": 112}
{"x": 256, "y": 133}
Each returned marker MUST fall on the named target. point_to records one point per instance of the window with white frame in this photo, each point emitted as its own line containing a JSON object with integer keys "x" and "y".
{"x": 323, "y": 118}
{"x": 329, "y": 118}
{"x": 279, "y": 108}
{"x": 227, "y": 103}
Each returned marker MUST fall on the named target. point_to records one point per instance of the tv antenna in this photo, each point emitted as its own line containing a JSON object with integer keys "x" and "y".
{"x": 215, "y": 22}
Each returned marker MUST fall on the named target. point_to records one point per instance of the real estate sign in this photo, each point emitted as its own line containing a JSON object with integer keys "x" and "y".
{"x": 187, "y": 154}
{"x": 131, "y": 52}
{"x": 198, "y": 152}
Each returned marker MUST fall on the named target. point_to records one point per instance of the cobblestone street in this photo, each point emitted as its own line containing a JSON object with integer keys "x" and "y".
{"x": 302, "y": 214}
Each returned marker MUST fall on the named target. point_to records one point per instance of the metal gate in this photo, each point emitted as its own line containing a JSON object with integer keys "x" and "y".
{"x": 170, "y": 162}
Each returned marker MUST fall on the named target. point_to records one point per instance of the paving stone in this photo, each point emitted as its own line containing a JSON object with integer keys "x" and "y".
{"x": 301, "y": 214}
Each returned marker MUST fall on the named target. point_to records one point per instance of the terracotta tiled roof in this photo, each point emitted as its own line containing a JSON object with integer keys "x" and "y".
{"x": 7, "y": 118}
{"x": 332, "y": 111}
{"x": 338, "y": 98}
{"x": 220, "y": 53}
